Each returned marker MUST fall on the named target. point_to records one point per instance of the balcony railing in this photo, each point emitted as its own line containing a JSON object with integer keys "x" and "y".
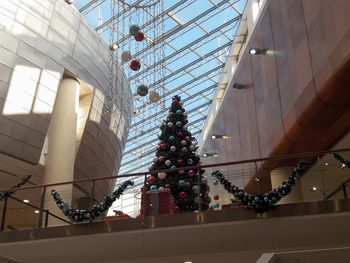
{"x": 324, "y": 178}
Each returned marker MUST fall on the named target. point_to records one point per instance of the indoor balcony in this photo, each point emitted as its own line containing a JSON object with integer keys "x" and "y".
{"x": 309, "y": 222}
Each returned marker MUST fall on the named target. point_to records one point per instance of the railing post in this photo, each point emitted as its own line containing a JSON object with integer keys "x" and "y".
{"x": 4, "y": 210}
{"x": 344, "y": 191}
{"x": 46, "y": 218}
{"x": 143, "y": 200}
{"x": 92, "y": 192}
{"x": 41, "y": 210}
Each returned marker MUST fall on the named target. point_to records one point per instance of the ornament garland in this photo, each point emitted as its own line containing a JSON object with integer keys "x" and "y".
{"x": 342, "y": 160}
{"x": 266, "y": 200}
{"x": 80, "y": 215}
{"x": 23, "y": 182}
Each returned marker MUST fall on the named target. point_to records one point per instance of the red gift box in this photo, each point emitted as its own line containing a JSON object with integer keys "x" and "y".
{"x": 159, "y": 202}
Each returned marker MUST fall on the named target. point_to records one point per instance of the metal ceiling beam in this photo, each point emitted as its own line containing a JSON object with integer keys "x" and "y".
{"x": 90, "y": 5}
{"x": 177, "y": 28}
{"x": 196, "y": 41}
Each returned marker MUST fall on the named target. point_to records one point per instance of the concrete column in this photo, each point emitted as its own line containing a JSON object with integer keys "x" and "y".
{"x": 60, "y": 157}
{"x": 278, "y": 175}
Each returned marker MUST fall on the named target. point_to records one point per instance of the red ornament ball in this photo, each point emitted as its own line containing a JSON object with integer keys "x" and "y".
{"x": 185, "y": 121}
{"x": 151, "y": 180}
{"x": 139, "y": 36}
{"x": 162, "y": 146}
{"x": 135, "y": 65}
{"x": 180, "y": 134}
{"x": 216, "y": 197}
{"x": 180, "y": 162}
{"x": 182, "y": 195}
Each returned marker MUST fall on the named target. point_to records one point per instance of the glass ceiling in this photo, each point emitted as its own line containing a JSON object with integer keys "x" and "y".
{"x": 187, "y": 59}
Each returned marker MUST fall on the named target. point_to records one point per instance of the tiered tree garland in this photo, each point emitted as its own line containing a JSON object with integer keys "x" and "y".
{"x": 342, "y": 160}
{"x": 263, "y": 201}
{"x": 80, "y": 215}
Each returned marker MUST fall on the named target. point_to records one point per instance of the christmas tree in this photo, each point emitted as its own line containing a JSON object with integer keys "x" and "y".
{"x": 176, "y": 149}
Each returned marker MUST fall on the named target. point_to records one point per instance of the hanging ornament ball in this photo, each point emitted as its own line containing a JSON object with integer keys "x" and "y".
{"x": 178, "y": 124}
{"x": 182, "y": 183}
{"x": 216, "y": 197}
{"x": 184, "y": 149}
{"x": 188, "y": 184}
{"x": 192, "y": 147}
{"x": 167, "y": 186}
{"x": 183, "y": 143}
{"x": 161, "y": 159}
{"x": 171, "y": 138}
{"x": 195, "y": 189}
{"x": 188, "y": 138}
{"x": 190, "y": 161}
{"x": 161, "y": 188}
{"x": 182, "y": 195}
{"x": 170, "y": 124}
{"x": 139, "y": 36}
{"x": 153, "y": 187}
{"x": 173, "y": 167}
{"x": 180, "y": 134}
{"x": 173, "y": 148}
{"x": 125, "y": 56}
{"x": 180, "y": 162}
{"x": 167, "y": 162}
{"x": 191, "y": 173}
{"x": 185, "y": 121}
{"x": 161, "y": 176}
{"x": 151, "y": 180}
{"x": 135, "y": 65}
{"x": 178, "y": 111}
{"x": 181, "y": 171}
{"x": 154, "y": 96}
{"x": 162, "y": 146}
{"x": 155, "y": 159}
{"x": 204, "y": 181}
{"x": 134, "y": 29}
{"x": 215, "y": 182}
{"x": 185, "y": 128}
{"x": 142, "y": 90}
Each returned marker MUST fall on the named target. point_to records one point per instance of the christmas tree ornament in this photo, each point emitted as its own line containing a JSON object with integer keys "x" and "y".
{"x": 151, "y": 180}
{"x": 183, "y": 143}
{"x": 179, "y": 112}
{"x": 173, "y": 167}
{"x": 125, "y": 56}
{"x": 154, "y": 96}
{"x": 182, "y": 195}
{"x": 185, "y": 121}
{"x": 162, "y": 146}
{"x": 181, "y": 171}
{"x": 178, "y": 124}
{"x": 168, "y": 186}
{"x": 170, "y": 124}
{"x": 192, "y": 147}
{"x": 181, "y": 183}
{"x": 155, "y": 159}
{"x": 215, "y": 182}
{"x": 161, "y": 176}
{"x": 142, "y": 90}
{"x": 188, "y": 184}
{"x": 188, "y": 138}
{"x": 170, "y": 114}
{"x": 167, "y": 162}
{"x": 190, "y": 161}
{"x": 185, "y": 128}
{"x": 195, "y": 189}
{"x": 191, "y": 173}
{"x": 153, "y": 187}
{"x": 216, "y": 197}
{"x": 139, "y": 36}
{"x": 161, "y": 159}
{"x": 184, "y": 150}
{"x": 134, "y": 29}
{"x": 204, "y": 181}
{"x": 179, "y": 133}
{"x": 135, "y": 65}
{"x": 173, "y": 148}
{"x": 180, "y": 162}
{"x": 171, "y": 138}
